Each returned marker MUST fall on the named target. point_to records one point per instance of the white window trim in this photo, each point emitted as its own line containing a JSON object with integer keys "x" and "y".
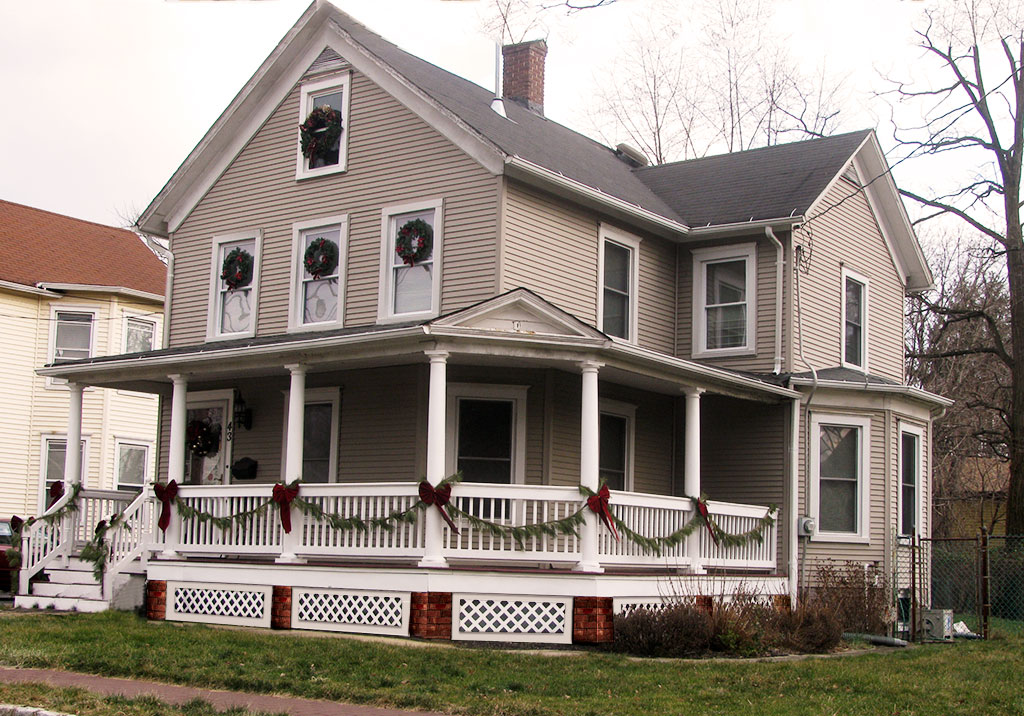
{"x": 863, "y": 280}
{"x": 213, "y": 299}
{"x": 609, "y": 234}
{"x": 330, "y": 395}
{"x": 703, "y": 257}
{"x": 486, "y": 391}
{"x": 295, "y": 306}
{"x": 863, "y": 424}
{"x": 385, "y": 297}
{"x": 627, "y": 411}
{"x": 51, "y": 348}
{"x": 139, "y": 316}
{"x": 43, "y": 439}
{"x": 132, "y": 442}
{"x": 343, "y": 82}
{"x": 918, "y": 432}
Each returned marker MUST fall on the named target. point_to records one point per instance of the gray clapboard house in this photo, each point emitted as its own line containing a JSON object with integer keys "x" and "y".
{"x": 502, "y": 297}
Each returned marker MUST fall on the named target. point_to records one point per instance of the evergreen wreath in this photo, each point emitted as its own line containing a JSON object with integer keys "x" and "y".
{"x": 202, "y": 437}
{"x": 414, "y": 242}
{"x": 320, "y": 132}
{"x": 236, "y": 271}
{"x": 321, "y": 257}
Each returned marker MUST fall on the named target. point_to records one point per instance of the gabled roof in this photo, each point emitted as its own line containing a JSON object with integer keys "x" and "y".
{"x": 40, "y": 247}
{"x": 767, "y": 183}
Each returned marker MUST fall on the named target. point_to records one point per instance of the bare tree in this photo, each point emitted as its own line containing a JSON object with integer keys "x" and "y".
{"x": 978, "y": 112}
{"x": 728, "y": 86}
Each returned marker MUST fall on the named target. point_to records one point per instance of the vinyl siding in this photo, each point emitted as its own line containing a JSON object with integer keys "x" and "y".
{"x": 849, "y": 236}
{"x": 551, "y": 247}
{"x": 31, "y": 410}
{"x": 394, "y": 157}
{"x": 763, "y": 357}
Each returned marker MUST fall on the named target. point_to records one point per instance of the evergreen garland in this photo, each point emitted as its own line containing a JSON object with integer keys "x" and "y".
{"x": 14, "y": 553}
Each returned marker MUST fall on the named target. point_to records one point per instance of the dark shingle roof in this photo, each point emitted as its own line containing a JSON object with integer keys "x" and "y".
{"x": 766, "y": 183}
{"x": 524, "y": 134}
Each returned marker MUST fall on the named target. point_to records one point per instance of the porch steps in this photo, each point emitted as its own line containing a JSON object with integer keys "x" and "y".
{"x": 74, "y": 588}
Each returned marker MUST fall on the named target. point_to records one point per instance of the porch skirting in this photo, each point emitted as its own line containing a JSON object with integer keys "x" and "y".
{"x": 529, "y": 606}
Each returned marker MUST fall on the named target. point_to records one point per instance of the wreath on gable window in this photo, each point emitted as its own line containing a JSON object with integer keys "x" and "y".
{"x": 236, "y": 271}
{"x": 202, "y": 437}
{"x": 321, "y": 257}
{"x": 414, "y": 242}
{"x": 320, "y": 132}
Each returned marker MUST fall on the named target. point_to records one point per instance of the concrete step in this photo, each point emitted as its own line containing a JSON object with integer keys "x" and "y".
{"x": 56, "y": 575}
{"x": 64, "y": 604}
{"x": 76, "y": 591}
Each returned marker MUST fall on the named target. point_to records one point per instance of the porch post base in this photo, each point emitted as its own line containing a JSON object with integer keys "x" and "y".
{"x": 167, "y": 554}
{"x": 433, "y": 563}
{"x": 697, "y": 569}
{"x": 156, "y": 600}
{"x": 289, "y": 559}
{"x": 592, "y": 567}
{"x": 592, "y": 620}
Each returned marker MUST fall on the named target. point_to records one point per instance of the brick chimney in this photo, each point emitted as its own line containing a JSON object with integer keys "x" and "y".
{"x": 523, "y": 73}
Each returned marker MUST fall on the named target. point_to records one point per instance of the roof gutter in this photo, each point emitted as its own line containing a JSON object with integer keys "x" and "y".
{"x": 88, "y": 288}
{"x": 715, "y": 231}
{"x": 24, "y": 288}
{"x": 908, "y": 391}
{"x": 527, "y": 169}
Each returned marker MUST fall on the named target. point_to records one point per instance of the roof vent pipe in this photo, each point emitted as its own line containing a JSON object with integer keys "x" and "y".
{"x": 496, "y": 104}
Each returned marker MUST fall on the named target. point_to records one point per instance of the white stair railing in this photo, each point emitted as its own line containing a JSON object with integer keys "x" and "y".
{"x": 43, "y": 542}
{"x": 132, "y": 539}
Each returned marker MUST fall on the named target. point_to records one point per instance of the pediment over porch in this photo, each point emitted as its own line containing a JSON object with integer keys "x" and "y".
{"x": 519, "y": 311}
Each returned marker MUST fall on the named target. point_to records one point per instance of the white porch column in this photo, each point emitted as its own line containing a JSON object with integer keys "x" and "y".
{"x": 176, "y": 458}
{"x": 590, "y": 440}
{"x": 73, "y": 451}
{"x": 293, "y": 454}
{"x": 691, "y": 470}
{"x": 437, "y": 401}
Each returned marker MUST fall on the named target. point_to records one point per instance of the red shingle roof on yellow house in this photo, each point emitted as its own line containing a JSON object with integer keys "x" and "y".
{"x": 38, "y": 246}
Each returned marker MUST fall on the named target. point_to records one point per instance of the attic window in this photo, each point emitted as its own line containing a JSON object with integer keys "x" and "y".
{"x": 334, "y": 93}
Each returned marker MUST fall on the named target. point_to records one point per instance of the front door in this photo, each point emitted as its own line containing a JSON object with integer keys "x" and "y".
{"x": 207, "y": 446}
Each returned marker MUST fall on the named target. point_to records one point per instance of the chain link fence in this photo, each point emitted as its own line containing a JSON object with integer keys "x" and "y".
{"x": 981, "y": 580}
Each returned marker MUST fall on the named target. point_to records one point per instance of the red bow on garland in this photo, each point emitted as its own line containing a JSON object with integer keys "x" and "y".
{"x": 16, "y": 523}
{"x": 56, "y": 492}
{"x": 283, "y": 496}
{"x": 166, "y": 494}
{"x": 439, "y": 496}
{"x": 599, "y": 503}
{"x": 702, "y": 508}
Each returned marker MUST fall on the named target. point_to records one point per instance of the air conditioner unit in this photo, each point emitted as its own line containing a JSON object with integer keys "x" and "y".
{"x": 806, "y": 527}
{"x": 937, "y": 624}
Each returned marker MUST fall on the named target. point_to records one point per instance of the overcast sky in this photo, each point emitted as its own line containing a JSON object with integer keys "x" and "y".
{"x": 103, "y": 99}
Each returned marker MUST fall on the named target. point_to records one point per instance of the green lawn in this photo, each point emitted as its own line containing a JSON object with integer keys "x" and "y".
{"x": 964, "y": 678}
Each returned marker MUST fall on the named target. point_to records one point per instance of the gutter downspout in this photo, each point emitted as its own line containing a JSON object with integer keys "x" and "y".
{"x": 780, "y": 260}
{"x": 167, "y": 299}
{"x": 792, "y": 504}
{"x": 810, "y": 397}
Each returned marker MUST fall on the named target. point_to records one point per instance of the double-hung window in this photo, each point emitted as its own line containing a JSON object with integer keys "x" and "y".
{"x": 840, "y": 458}
{"x": 411, "y": 245}
{"x": 331, "y": 92}
{"x": 54, "y": 449}
{"x": 318, "y": 273}
{"x": 132, "y": 464}
{"x": 234, "y": 285}
{"x": 910, "y": 479}
{"x": 615, "y": 453}
{"x": 855, "y": 320}
{"x": 72, "y": 335}
{"x": 619, "y": 275}
{"x": 724, "y": 306}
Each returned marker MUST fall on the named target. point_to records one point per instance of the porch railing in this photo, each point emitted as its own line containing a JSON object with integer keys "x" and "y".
{"x": 514, "y": 505}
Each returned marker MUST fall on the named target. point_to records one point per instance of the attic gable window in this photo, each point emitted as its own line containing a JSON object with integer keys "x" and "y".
{"x": 855, "y": 320}
{"x": 332, "y": 92}
{"x": 232, "y": 312}
{"x": 724, "y": 305}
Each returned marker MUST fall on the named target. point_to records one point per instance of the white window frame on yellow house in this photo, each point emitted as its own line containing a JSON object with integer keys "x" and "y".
{"x": 44, "y": 443}
{"x": 139, "y": 317}
{"x": 51, "y": 350}
{"x": 296, "y": 306}
{"x": 310, "y": 91}
{"x": 132, "y": 443}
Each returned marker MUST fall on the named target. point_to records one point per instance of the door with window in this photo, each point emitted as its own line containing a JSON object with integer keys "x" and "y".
{"x": 207, "y": 447}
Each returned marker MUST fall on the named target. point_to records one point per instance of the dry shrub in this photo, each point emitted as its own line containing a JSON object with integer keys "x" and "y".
{"x": 808, "y": 629}
{"x": 857, "y": 593}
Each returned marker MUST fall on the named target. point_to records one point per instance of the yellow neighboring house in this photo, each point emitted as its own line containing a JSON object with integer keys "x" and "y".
{"x": 72, "y": 289}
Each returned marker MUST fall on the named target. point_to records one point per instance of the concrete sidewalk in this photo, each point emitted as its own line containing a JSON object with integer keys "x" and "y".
{"x": 172, "y": 694}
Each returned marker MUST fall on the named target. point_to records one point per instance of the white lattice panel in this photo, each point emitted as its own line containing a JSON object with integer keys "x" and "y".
{"x": 348, "y": 610}
{"x": 489, "y": 617}
{"x": 241, "y": 605}
{"x": 627, "y": 605}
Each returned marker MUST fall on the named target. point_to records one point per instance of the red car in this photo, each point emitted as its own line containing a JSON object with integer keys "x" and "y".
{"x": 6, "y": 540}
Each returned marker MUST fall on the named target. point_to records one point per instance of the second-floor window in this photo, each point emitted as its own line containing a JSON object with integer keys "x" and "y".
{"x": 234, "y": 281}
{"x": 411, "y": 243}
{"x": 319, "y": 265}
{"x": 724, "y": 300}
{"x": 72, "y": 335}
{"x": 618, "y": 268}
{"x": 855, "y": 314}
{"x": 139, "y": 335}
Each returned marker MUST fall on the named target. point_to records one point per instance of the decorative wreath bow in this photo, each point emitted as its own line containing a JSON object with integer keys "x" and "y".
{"x": 283, "y": 496}
{"x": 439, "y": 496}
{"x": 702, "y": 508}
{"x": 599, "y": 503}
{"x": 166, "y": 494}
